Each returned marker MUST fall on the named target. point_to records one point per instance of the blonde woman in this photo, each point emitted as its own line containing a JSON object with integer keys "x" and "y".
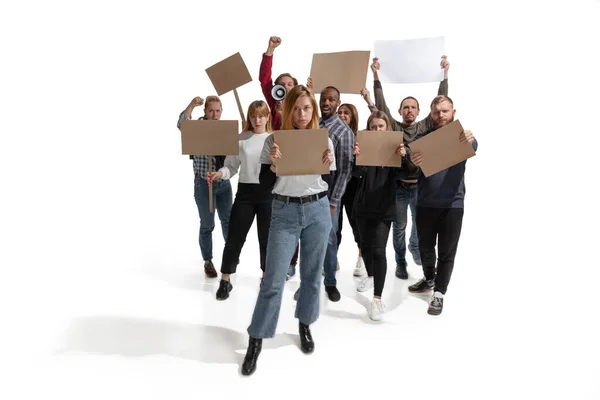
{"x": 250, "y": 199}
{"x": 300, "y": 211}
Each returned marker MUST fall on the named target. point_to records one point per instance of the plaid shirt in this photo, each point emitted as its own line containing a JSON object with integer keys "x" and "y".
{"x": 343, "y": 142}
{"x": 200, "y": 161}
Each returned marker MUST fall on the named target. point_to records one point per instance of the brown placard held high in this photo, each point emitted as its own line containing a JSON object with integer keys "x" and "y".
{"x": 442, "y": 148}
{"x": 378, "y": 148}
{"x": 229, "y": 74}
{"x": 301, "y": 151}
{"x": 346, "y": 70}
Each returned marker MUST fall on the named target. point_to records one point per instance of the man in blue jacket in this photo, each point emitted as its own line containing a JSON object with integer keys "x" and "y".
{"x": 440, "y": 208}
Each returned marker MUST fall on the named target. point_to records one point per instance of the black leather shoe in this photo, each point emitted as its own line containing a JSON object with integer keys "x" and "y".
{"x": 224, "y": 289}
{"x": 401, "y": 272}
{"x": 254, "y": 348}
{"x": 333, "y": 293}
{"x": 306, "y": 341}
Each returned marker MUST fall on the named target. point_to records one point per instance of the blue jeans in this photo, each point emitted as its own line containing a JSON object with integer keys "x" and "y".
{"x": 222, "y": 200}
{"x": 310, "y": 223}
{"x": 330, "y": 265}
{"x": 406, "y": 196}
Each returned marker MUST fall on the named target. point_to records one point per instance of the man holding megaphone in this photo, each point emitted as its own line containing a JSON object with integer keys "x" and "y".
{"x": 274, "y": 95}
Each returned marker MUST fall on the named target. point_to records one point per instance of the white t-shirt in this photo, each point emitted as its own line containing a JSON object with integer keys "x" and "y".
{"x": 296, "y": 185}
{"x": 251, "y": 146}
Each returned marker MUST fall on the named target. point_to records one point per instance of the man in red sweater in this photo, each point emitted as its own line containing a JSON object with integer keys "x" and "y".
{"x": 266, "y": 84}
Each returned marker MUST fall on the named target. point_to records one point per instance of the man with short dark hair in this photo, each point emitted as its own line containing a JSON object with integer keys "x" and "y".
{"x": 406, "y": 185}
{"x": 343, "y": 142}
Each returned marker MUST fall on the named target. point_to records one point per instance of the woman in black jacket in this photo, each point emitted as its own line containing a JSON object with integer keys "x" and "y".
{"x": 374, "y": 210}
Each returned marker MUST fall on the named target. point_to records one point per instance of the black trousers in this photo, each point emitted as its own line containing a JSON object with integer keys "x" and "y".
{"x": 374, "y": 234}
{"x": 347, "y": 202}
{"x": 249, "y": 202}
{"x": 441, "y": 225}
{"x": 295, "y": 256}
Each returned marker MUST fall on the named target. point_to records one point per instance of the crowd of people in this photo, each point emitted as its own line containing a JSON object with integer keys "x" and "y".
{"x": 300, "y": 217}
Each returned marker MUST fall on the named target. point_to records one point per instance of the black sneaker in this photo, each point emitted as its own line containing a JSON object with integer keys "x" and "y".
{"x": 333, "y": 293}
{"x": 436, "y": 304}
{"x": 421, "y": 286}
{"x": 224, "y": 288}
{"x": 401, "y": 272}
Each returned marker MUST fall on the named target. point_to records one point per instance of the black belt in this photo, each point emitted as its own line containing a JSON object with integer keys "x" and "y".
{"x": 301, "y": 200}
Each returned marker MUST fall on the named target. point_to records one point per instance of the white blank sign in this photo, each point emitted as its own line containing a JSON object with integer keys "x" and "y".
{"x": 410, "y": 61}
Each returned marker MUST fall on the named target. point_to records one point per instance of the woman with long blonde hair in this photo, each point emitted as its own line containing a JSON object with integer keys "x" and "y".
{"x": 300, "y": 211}
{"x": 251, "y": 199}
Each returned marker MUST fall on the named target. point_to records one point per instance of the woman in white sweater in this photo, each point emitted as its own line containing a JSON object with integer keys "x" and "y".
{"x": 300, "y": 212}
{"x": 250, "y": 199}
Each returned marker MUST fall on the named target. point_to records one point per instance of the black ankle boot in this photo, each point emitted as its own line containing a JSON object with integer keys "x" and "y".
{"x": 254, "y": 348}
{"x": 306, "y": 341}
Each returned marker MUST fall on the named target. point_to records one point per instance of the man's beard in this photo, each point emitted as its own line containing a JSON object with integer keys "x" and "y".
{"x": 440, "y": 123}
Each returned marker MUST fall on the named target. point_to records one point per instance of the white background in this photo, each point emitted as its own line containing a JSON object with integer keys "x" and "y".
{"x": 102, "y": 289}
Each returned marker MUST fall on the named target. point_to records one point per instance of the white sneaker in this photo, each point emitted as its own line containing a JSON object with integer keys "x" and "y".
{"x": 377, "y": 308}
{"x": 359, "y": 269}
{"x": 365, "y": 284}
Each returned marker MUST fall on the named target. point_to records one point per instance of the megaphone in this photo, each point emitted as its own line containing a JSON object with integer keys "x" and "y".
{"x": 278, "y": 92}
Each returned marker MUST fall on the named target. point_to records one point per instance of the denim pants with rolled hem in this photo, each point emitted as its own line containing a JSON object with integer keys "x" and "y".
{"x": 222, "y": 201}
{"x": 310, "y": 223}
{"x": 406, "y": 197}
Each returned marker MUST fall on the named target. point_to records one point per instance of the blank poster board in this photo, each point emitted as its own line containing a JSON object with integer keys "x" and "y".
{"x": 210, "y": 137}
{"x": 442, "y": 148}
{"x": 229, "y": 74}
{"x": 346, "y": 70}
{"x": 410, "y": 61}
{"x": 378, "y": 148}
{"x": 301, "y": 151}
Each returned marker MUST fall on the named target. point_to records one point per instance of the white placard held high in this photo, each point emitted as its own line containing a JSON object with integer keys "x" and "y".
{"x": 410, "y": 61}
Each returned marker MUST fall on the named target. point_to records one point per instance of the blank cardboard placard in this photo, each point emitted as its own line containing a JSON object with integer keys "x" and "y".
{"x": 442, "y": 148}
{"x": 410, "y": 61}
{"x": 378, "y": 148}
{"x": 210, "y": 137}
{"x": 229, "y": 74}
{"x": 301, "y": 151}
{"x": 346, "y": 70}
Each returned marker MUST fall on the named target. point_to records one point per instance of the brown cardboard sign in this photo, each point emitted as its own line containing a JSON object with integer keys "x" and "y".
{"x": 442, "y": 148}
{"x": 301, "y": 151}
{"x": 346, "y": 70}
{"x": 378, "y": 148}
{"x": 229, "y": 74}
{"x": 209, "y": 137}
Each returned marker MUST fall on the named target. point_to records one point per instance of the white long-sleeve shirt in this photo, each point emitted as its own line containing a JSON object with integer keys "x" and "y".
{"x": 251, "y": 145}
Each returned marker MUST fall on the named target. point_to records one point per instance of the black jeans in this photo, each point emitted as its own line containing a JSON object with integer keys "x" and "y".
{"x": 442, "y": 225}
{"x": 347, "y": 202}
{"x": 249, "y": 201}
{"x": 374, "y": 235}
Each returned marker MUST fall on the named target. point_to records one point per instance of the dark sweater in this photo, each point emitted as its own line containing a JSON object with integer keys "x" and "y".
{"x": 409, "y": 170}
{"x": 376, "y": 193}
{"x": 446, "y": 189}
